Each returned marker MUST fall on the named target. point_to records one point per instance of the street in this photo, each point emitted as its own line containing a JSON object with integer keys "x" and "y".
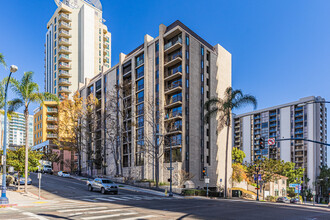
{"x": 66, "y": 198}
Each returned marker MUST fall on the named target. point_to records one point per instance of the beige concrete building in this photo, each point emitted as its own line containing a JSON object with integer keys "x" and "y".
{"x": 78, "y": 45}
{"x": 163, "y": 85}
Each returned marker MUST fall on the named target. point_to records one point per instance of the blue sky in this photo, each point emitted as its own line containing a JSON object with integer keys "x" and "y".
{"x": 280, "y": 48}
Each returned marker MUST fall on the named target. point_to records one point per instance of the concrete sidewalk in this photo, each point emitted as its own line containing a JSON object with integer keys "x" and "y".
{"x": 19, "y": 198}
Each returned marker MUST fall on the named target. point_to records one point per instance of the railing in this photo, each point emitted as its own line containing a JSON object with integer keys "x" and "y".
{"x": 51, "y": 109}
{"x": 64, "y": 40}
{"x": 64, "y": 64}
{"x": 64, "y": 81}
{"x": 64, "y": 90}
{"x": 272, "y": 125}
{"x": 272, "y": 114}
{"x": 64, "y": 72}
{"x": 173, "y": 86}
{"x": 298, "y": 114}
{"x": 64, "y": 56}
{"x": 64, "y": 32}
{"x": 175, "y": 99}
{"x": 298, "y": 108}
{"x": 64, "y": 48}
{"x": 173, "y": 71}
{"x": 64, "y": 16}
{"x": 51, "y": 135}
{"x": 51, "y": 127}
{"x": 51, "y": 119}
{"x": 173, "y": 56}
{"x": 174, "y": 128}
{"x": 172, "y": 42}
{"x": 272, "y": 119}
{"x": 299, "y": 120}
{"x": 172, "y": 115}
{"x": 65, "y": 24}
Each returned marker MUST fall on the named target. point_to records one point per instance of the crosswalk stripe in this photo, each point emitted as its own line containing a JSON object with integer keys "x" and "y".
{"x": 140, "y": 217}
{"x": 106, "y": 199}
{"x": 108, "y": 216}
{"x": 117, "y": 198}
{"x": 75, "y": 210}
{"x": 95, "y": 212}
{"x": 89, "y": 200}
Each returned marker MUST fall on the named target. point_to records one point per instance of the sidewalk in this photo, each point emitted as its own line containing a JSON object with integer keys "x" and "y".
{"x": 19, "y": 198}
{"x": 132, "y": 188}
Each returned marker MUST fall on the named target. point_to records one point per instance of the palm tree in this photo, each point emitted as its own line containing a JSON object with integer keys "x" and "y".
{"x": 222, "y": 107}
{"x": 2, "y": 60}
{"x": 27, "y": 92}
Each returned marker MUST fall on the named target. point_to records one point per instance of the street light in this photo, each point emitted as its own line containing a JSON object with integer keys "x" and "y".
{"x": 3, "y": 198}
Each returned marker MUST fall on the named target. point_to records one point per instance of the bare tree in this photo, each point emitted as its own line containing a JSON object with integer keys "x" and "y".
{"x": 182, "y": 176}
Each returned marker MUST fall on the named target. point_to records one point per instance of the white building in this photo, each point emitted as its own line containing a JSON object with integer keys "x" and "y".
{"x": 16, "y": 130}
{"x": 305, "y": 118}
{"x": 78, "y": 45}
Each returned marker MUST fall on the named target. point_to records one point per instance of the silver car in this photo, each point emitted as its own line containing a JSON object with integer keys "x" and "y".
{"x": 103, "y": 185}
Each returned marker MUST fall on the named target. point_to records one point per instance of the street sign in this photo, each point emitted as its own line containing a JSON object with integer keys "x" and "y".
{"x": 293, "y": 185}
{"x": 170, "y": 168}
{"x": 207, "y": 180}
{"x": 257, "y": 188}
{"x": 271, "y": 141}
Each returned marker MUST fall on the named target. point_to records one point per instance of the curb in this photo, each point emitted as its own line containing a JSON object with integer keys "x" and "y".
{"x": 7, "y": 205}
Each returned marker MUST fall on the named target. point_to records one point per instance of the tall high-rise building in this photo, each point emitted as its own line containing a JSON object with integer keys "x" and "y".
{"x": 161, "y": 87}
{"x": 16, "y": 130}
{"x": 305, "y": 118}
{"x": 78, "y": 45}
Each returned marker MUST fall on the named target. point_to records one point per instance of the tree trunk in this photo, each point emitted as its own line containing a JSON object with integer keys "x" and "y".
{"x": 26, "y": 115}
{"x": 226, "y": 161}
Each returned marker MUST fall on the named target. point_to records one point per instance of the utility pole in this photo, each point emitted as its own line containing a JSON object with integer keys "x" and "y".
{"x": 257, "y": 169}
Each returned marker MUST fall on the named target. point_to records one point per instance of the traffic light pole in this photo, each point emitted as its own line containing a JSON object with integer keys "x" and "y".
{"x": 257, "y": 169}
{"x": 207, "y": 184}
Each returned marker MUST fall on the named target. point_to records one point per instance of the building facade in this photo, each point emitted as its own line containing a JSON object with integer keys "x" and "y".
{"x": 160, "y": 89}
{"x": 77, "y": 46}
{"x": 305, "y": 118}
{"x": 16, "y": 130}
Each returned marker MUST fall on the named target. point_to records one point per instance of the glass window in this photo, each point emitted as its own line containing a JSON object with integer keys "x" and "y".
{"x": 187, "y": 40}
{"x": 140, "y": 96}
{"x": 140, "y": 84}
{"x": 55, "y": 35}
{"x": 140, "y": 109}
{"x": 187, "y": 69}
{"x": 55, "y": 83}
{"x": 202, "y": 51}
{"x": 157, "y": 46}
{"x": 55, "y": 20}
{"x": 140, "y": 72}
{"x": 140, "y": 121}
{"x": 55, "y": 67}
{"x": 157, "y": 60}
{"x": 157, "y": 74}
{"x": 139, "y": 60}
{"x": 55, "y": 27}
{"x": 55, "y": 43}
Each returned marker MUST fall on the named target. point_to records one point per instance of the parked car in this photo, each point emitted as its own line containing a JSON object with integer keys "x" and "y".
{"x": 283, "y": 200}
{"x": 295, "y": 200}
{"x": 103, "y": 185}
{"x": 21, "y": 180}
{"x": 47, "y": 169}
{"x": 63, "y": 174}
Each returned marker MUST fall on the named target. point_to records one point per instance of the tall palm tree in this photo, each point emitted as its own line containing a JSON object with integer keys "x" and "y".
{"x": 27, "y": 92}
{"x": 2, "y": 60}
{"x": 222, "y": 107}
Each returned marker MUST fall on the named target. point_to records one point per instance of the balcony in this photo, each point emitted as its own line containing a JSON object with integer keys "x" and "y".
{"x": 174, "y": 115}
{"x": 64, "y": 33}
{"x": 64, "y": 82}
{"x": 106, "y": 46}
{"x": 64, "y": 90}
{"x": 173, "y": 88}
{"x": 173, "y": 59}
{"x": 173, "y": 44}
{"x": 174, "y": 129}
{"x": 173, "y": 73}
{"x": 64, "y": 57}
{"x": 299, "y": 120}
{"x": 64, "y": 74}
{"x": 298, "y": 114}
{"x": 64, "y": 66}
{"x": 272, "y": 125}
{"x": 52, "y": 127}
{"x": 64, "y": 49}
{"x": 51, "y": 135}
{"x": 298, "y": 108}
{"x": 52, "y": 119}
{"x": 64, "y": 25}
{"x": 52, "y": 110}
{"x": 64, "y": 17}
{"x": 174, "y": 101}
{"x": 64, "y": 41}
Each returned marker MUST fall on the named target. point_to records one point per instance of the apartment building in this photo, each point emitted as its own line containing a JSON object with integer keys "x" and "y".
{"x": 78, "y": 45}
{"x": 16, "y": 130}
{"x": 161, "y": 87}
{"x": 305, "y": 118}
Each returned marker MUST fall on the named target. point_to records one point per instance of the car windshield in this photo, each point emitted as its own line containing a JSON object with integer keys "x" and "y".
{"x": 47, "y": 166}
{"x": 107, "y": 181}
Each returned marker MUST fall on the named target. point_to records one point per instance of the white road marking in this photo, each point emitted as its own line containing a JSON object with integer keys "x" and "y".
{"x": 108, "y": 216}
{"x": 34, "y": 215}
{"x": 95, "y": 212}
{"x": 105, "y": 199}
{"x": 89, "y": 200}
{"x": 117, "y": 198}
{"x": 76, "y": 210}
{"x": 140, "y": 217}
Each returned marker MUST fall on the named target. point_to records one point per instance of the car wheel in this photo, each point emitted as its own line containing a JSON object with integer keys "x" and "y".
{"x": 103, "y": 191}
{"x": 90, "y": 188}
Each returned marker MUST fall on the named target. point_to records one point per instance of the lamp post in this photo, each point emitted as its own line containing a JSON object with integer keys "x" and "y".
{"x": 3, "y": 198}
{"x": 257, "y": 169}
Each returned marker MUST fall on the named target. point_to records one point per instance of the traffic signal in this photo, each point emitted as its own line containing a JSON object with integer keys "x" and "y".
{"x": 261, "y": 143}
{"x": 204, "y": 171}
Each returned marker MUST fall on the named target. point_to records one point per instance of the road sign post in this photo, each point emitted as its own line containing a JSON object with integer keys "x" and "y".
{"x": 39, "y": 177}
{"x": 207, "y": 181}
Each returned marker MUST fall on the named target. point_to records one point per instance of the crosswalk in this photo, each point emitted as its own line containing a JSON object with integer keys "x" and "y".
{"x": 84, "y": 211}
{"x": 125, "y": 198}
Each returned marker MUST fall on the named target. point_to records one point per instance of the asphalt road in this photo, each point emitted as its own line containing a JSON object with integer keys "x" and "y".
{"x": 69, "y": 199}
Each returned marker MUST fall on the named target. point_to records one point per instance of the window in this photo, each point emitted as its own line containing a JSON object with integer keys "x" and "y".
{"x": 140, "y": 109}
{"x": 140, "y": 121}
{"x": 140, "y": 84}
{"x": 55, "y": 56}
{"x": 208, "y": 56}
{"x": 55, "y": 43}
{"x": 187, "y": 69}
{"x": 140, "y": 72}
{"x": 55, "y": 27}
{"x": 139, "y": 60}
{"x": 202, "y": 51}
{"x": 187, "y": 40}
{"x": 55, "y": 83}
{"x": 140, "y": 96}
{"x": 55, "y": 67}
{"x": 55, "y": 35}
{"x": 157, "y": 60}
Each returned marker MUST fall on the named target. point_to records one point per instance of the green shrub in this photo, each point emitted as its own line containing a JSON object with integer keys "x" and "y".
{"x": 271, "y": 198}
